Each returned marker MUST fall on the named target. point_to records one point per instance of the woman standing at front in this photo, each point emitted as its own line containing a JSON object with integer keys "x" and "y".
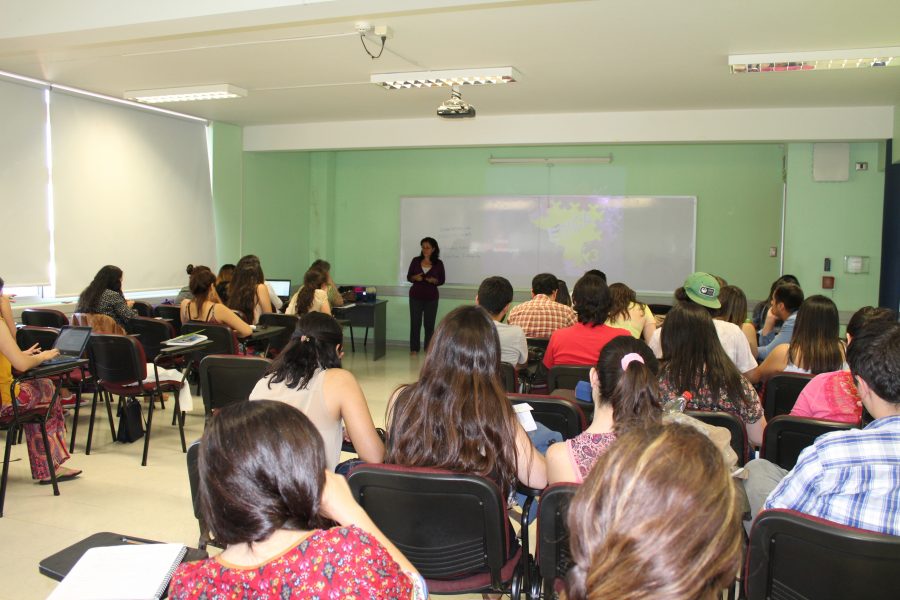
{"x": 426, "y": 273}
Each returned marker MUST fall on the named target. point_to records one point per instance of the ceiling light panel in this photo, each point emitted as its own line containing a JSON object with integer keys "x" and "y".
{"x": 428, "y": 79}
{"x": 860, "y": 58}
{"x": 220, "y": 91}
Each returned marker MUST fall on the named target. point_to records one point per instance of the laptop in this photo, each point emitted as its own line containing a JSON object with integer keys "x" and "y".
{"x": 71, "y": 344}
{"x": 282, "y": 287}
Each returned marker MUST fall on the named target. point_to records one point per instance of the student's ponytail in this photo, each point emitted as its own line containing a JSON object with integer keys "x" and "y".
{"x": 627, "y": 370}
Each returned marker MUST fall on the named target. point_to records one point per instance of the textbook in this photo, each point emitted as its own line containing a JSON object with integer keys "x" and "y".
{"x": 129, "y": 572}
{"x": 188, "y": 339}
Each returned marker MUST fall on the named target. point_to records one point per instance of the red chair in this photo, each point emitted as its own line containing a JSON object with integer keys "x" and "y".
{"x": 453, "y": 527}
{"x": 120, "y": 366}
{"x": 797, "y": 556}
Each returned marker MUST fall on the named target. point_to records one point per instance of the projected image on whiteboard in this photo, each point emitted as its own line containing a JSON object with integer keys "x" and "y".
{"x": 645, "y": 241}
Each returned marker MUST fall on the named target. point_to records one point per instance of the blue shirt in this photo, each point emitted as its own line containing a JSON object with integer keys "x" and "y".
{"x": 849, "y": 477}
{"x": 768, "y": 342}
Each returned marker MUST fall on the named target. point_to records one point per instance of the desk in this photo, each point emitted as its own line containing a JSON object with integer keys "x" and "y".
{"x": 260, "y": 333}
{"x": 368, "y": 314}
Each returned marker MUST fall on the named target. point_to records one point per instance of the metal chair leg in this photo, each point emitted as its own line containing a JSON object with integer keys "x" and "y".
{"x": 10, "y": 435}
{"x": 49, "y": 458}
{"x": 147, "y": 434}
{"x": 90, "y": 437}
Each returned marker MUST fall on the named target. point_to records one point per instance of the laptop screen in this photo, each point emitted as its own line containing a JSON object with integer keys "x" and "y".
{"x": 282, "y": 287}
{"x": 73, "y": 340}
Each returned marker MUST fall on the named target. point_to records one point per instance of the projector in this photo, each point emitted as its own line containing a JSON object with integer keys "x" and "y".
{"x": 455, "y": 107}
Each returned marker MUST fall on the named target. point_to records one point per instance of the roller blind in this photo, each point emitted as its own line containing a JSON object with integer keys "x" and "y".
{"x": 24, "y": 226}
{"x": 131, "y": 189}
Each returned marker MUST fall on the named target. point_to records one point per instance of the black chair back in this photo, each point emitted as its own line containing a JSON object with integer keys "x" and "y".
{"x": 193, "y": 467}
{"x": 449, "y": 525}
{"x": 660, "y": 309}
{"x": 28, "y": 336}
{"x": 733, "y": 424}
{"x": 289, "y": 322}
{"x": 792, "y": 555}
{"x": 786, "y": 437}
{"x": 143, "y": 309}
{"x": 151, "y": 334}
{"x": 536, "y": 349}
{"x": 782, "y": 392}
{"x": 116, "y": 358}
{"x": 226, "y": 379}
{"x": 44, "y": 317}
{"x": 170, "y": 312}
{"x": 555, "y": 413}
{"x": 566, "y": 377}
{"x": 508, "y": 375}
{"x": 553, "y": 555}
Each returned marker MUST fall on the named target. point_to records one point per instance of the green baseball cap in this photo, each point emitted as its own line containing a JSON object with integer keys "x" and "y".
{"x": 703, "y": 289}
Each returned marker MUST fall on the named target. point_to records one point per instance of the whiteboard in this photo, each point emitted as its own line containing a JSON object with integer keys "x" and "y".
{"x": 647, "y": 242}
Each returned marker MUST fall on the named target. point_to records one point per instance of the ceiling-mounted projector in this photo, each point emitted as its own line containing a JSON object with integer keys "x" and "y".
{"x": 455, "y": 107}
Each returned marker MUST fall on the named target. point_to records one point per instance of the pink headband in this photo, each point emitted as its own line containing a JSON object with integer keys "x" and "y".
{"x": 630, "y": 358}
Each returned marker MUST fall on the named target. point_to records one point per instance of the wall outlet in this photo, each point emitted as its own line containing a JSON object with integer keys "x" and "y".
{"x": 862, "y": 166}
{"x": 773, "y": 251}
{"x": 384, "y": 31}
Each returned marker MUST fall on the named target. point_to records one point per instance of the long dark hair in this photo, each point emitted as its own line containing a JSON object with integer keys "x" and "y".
{"x": 457, "y": 416}
{"x": 312, "y": 281}
{"x": 633, "y": 392}
{"x": 693, "y": 356}
{"x": 313, "y": 346}
{"x": 436, "y": 253}
{"x": 242, "y": 294}
{"x": 734, "y": 305}
{"x": 621, "y": 297}
{"x": 815, "y": 343}
{"x": 262, "y": 468}
{"x": 107, "y": 278}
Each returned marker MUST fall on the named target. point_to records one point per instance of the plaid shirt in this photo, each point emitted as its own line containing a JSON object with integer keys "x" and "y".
{"x": 541, "y": 316}
{"x": 849, "y": 477}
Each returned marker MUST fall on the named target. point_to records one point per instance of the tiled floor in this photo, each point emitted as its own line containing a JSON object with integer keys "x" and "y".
{"x": 116, "y": 494}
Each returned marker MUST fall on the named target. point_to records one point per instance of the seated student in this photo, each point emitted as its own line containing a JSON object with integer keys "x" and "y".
{"x": 625, "y": 312}
{"x": 625, "y": 393}
{"x": 248, "y": 292}
{"x": 658, "y": 517}
{"x": 581, "y": 343}
{"x": 205, "y": 305}
{"x": 734, "y": 310}
{"x": 850, "y": 477}
{"x": 308, "y": 376}
{"x": 761, "y": 310}
{"x": 104, "y": 296}
{"x": 786, "y": 301}
{"x": 833, "y": 396}
{"x": 562, "y": 294}
{"x": 457, "y": 415}
{"x": 495, "y": 295}
{"x": 334, "y": 296}
{"x": 542, "y": 315}
{"x": 702, "y": 289}
{"x": 265, "y": 493}
{"x": 226, "y": 271}
{"x": 815, "y": 346}
{"x": 312, "y": 295}
{"x": 185, "y": 292}
{"x": 694, "y": 361}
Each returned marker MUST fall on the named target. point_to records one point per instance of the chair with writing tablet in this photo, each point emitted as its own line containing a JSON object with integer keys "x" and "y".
{"x": 171, "y": 313}
{"x": 44, "y": 317}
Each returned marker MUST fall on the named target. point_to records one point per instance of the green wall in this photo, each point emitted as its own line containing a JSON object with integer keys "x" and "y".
{"x": 826, "y": 219}
{"x": 226, "y": 142}
{"x": 344, "y": 205}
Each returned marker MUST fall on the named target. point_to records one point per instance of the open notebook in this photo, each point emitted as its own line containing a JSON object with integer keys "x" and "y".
{"x": 129, "y": 572}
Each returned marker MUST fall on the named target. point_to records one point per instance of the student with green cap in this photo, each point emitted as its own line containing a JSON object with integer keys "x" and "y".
{"x": 703, "y": 289}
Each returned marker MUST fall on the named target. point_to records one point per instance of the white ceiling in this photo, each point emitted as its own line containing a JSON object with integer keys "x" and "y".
{"x": 575, "y": 56}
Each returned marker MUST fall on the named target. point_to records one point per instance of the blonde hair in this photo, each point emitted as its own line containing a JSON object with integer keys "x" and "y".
{"x": 658, "y": 517}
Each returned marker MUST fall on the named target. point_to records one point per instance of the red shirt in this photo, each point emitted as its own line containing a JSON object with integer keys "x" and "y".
{"x": 339, "y": 563}
{"x": 579, "y": 344}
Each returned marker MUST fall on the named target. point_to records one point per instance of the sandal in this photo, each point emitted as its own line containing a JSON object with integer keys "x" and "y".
{"x": 62, "y": 475}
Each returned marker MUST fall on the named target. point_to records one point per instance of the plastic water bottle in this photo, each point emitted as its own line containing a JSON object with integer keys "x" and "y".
{"x": 678, "y": 404}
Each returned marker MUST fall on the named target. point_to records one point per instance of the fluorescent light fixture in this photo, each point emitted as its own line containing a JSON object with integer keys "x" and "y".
{"x": 219, "y": 91}
{"x": 860, "y": 58}
{"x": 427, "y": 79}
{"x": 578, "y": 160}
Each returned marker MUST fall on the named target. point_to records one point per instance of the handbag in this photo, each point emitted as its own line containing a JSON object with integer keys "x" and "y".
{"x": 131, "y": 422}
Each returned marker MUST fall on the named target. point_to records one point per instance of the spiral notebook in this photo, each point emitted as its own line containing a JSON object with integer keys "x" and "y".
{"x": 129, "y": 572}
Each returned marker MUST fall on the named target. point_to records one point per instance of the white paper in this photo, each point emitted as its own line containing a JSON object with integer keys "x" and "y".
{"x": 523, "y": 413}
{"x": 127, "y": 572}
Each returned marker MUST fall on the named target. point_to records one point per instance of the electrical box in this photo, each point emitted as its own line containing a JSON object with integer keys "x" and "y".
{"x": 856, "y": 265}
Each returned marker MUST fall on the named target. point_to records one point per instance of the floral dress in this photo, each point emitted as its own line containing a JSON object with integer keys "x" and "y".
{"x": 704, "y": 399}
{"x": 584, "y": 450}
{"x": 337, "y": 563}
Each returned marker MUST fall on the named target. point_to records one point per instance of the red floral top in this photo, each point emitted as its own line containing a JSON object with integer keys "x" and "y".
{"x": 338, "y": 563}
{"x": 703, "y": 399}
{"x": 584, "y": 450}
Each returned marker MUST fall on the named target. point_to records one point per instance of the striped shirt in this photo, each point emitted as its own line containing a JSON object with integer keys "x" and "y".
{"x": 849, "y": 477}
{"x": 541, "y": 316}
